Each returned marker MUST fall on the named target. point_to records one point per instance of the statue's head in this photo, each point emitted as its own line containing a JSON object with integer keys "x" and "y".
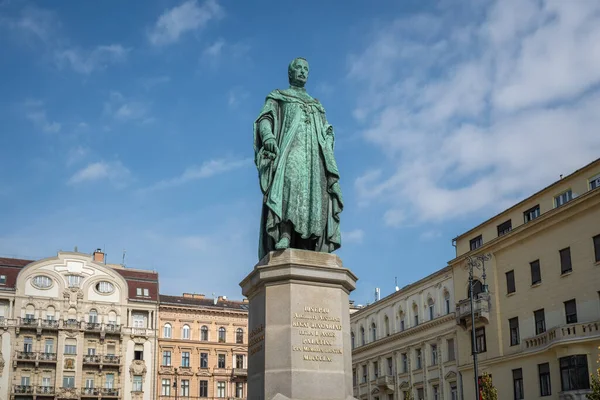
{"x": 298, "y": 72}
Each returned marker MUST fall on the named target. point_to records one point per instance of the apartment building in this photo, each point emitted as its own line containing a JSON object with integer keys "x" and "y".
{"x": 74, "y": 327}
{"x": 537, "y": 309}
{"x": 203, "y": 347}
{"x": 405, "y": 343}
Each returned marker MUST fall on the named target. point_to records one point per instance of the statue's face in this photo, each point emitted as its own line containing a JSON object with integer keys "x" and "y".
{"x": 299, "y": 73}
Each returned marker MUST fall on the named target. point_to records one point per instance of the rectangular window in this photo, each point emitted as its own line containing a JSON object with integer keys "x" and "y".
{"x": 185, "y": 388}
{"x": 390, "y": 366}
{"x": 434, "y": 354}
{"x": 571, "y": 311}
{"x": 510, "y": 282}
{"x": 544, "y": 374}
{"x": 239, "y": 361}
{"x": 540, "y": 321}
{"x": 220, "y": 389}
{"x": 138, "y": 355}
{"x": 166, "y": 361}
{"x": 504, "y": 227}
{"x": 91, "y": 351}
{"x": 536, "y": 274}
{"x": 513, "y": 323}
{"x": 109, "y": 382}
{"x": 138, "y": 321}
{"x": 531, "y": 214}
{"x": 185, "y": 359}
{"x": 68, "y": 381}
{"x": 563, "y": 198}
{"x": 203, "y": 389}
{"x": 49, "y": 346}
{"x": 375, "y": 369}
{"x": 28, "y": 344}
{"x": 419, "y": 363}
{"x": 476, "y": 243}
{"x": 221, "y": 361}
{"x": 354, "y": 377}
{"x": 138, "y": 291}
{"x": 574, "y": 373}
{"x": 451, "y": 355}
{"x": 25, "y": 381}
{"x": 436, "y": 392}
{"x": 45, "y": 381}
{"x": 364, "y": 373}
{"x": 404, "y": 363}
{"x": 431, "y": 312}
{"x": 595, "y": 182}
{"x": 596, "y": 240}
{"x": 420, "y": 394}
{"x": 203, "y": 360}
{"x": 518, "y": 383}
{"x": 89, "y": 383}
{"x": 2, "y": 279}
{"x": 565, "y": 261}
{"x": 402, "y": 324}
{"x": 239, "y": 390}
{"x": 70, "y": 349}
{"x": 137, "y": 383}
{"x": 416, "y": 319}
{"x": 480, "y": 341}
{"x": 166, "y": 387}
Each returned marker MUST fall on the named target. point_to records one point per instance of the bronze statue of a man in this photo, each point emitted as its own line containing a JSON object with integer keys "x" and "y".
{"x": 293, "y": 149}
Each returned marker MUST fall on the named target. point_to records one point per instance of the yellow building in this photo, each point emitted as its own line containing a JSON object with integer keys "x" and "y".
{"x": 405, "y": 343}
{"x": 203, "y": 346}
{"x": 74, "y": 327}
{"x": 538, "y": 325}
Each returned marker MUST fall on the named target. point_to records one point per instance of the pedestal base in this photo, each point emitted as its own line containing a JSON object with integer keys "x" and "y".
{"x": 299, "y": 327}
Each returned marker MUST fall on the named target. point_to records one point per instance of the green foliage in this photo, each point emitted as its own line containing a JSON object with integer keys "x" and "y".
{"x": 488, "y": 391}
{"x": 595, "y": 384}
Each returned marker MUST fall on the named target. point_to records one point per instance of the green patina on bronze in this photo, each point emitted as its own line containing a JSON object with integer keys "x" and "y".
{"x": 293, "y": 149}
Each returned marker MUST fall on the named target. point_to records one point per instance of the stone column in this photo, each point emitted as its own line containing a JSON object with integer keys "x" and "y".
{"x": 299, "y": 327}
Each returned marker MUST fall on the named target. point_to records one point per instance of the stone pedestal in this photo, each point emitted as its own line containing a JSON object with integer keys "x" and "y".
{"x": 299, "y": 327}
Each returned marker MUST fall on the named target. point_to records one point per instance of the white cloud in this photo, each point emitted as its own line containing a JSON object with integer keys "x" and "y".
{"x": 354, "y": 236}
{"x": 86, "y": 62}
{"x": 188, "y": 16}
{"x": 33, "y": 22}
{"x": 220, "y": 49}
{"x": 476, "y": 114}
{"x": 206, "y": 170}
{"x": 126, "y": 109}
{"x": 77, "y": 154}
{"x": 36, "y": 113}
{"x": 115, "y": 172}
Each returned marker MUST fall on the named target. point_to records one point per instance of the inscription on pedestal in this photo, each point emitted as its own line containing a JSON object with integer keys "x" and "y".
{"x": 256, "y": 337}
{"x": 319, "y": 332}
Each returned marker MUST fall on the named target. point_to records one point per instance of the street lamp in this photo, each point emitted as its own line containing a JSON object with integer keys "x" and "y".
{"x": 479, "y": 263}
{"x": 175, "y": 383}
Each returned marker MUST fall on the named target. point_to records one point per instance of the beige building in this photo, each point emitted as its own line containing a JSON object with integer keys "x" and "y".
{"x": 538, "y": 327}
{"x": 405, "y": 343}
{"x": 203, "y": 347}
{"x": 73, "y": 327}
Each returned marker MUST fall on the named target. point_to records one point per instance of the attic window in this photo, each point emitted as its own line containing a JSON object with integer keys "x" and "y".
{"x": 142, "y": 292}
{"x": 2, "y": 279}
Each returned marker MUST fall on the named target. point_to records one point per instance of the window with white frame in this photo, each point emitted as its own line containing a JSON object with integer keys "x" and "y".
{"x": 185, "y": 332}
{"x": 166, "y": 387}
{"x": 220, "y": 389}
{"x": 2, "y": 279}
{"x": 42, "y": 281}
{"x": 595, "y": 182}
{"x": 167, "y": 331}
{"x": 74, "y": 281}
{"x": 447, "y": 302}
{"x": 137, "y": 383}
{"x": 430, "y": 308}
{"x": 93, "y": 316}
{"x": 138, "y": 320}
{"x": 185, "y": 388}
{"x": 109, "y": 381}
{"x": 204, "y": 333}
{"x": 68, "y": 381}
{"x": 563, "y": 198}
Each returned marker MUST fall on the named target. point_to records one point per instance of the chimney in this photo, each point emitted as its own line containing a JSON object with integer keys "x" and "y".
{"x": 99, "y": 256}
{"x": 197, "y": 296}
{"x": 188, "y": 295}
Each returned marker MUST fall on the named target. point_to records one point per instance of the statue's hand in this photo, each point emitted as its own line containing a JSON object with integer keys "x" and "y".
{"x": 271, "y": 147}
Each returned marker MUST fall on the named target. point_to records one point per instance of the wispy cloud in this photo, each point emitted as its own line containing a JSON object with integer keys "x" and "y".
{"x": 114, "y": 172}
{"x": 77, "y": 154}
{"x": 36, "y": 113}
{"x": 33, "y": 23}
{"x": 87, "y": 61}
{"x": 354, "y": 236}
{"x": 218, "y": 51}
{"x": 187, "y": 17}
{"x": 123, "y": 109}
{"x": 208, "y": 169}
{"x": 153, "y": 81}
{"x": 236, "y": 96}
{"x": 474, "y": 115}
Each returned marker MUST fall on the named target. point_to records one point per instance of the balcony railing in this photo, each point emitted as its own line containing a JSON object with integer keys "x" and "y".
{"x": 28, "y": 322}
{"x": 561, "y": 334}
{"x": 92, "y": 359}
{"x": 112, "y": 328}
{"x": 71, "y": 324}
{"x": 481, "y": 309}
{"x": 111, "y": 359}
{"x": 47, "y": 356}
{"x": 386, "y": 381}
{"x": 109, "y": 392}
{"x": 44, "y": 389}
{"x": 49, "y": 324}
{"x": 93, "y": 326}
{"x": 26, "y": 355}
{"x": 90, "y": 391}
{"x": 23, "y": 389}
{"x": 239, "y": 372}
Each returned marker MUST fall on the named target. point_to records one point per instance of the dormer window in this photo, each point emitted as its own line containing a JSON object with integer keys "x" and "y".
{"x": 476, "y": 243}
{"x": 2, "y": 279}
{"x": 74, "y": 281}
{"x": 142, "y": 292}
{"x": 563, "y": 198}
{"x": 595, "y": 182}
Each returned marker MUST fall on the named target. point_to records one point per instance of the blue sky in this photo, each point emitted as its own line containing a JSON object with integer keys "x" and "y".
{"x": 128, "y": 125}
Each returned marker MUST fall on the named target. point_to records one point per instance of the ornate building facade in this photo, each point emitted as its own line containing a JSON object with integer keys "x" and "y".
{"x": 202, "y": 347}
{"x": 405, "y": 344}
{"x": 537, "y": 308}
{"x": 73, "y": 327}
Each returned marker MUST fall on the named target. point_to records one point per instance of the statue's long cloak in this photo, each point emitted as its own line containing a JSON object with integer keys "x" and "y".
{"x": 290, "y": 114}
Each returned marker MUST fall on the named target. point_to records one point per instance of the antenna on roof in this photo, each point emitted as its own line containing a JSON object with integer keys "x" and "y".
{"x": 123, "y": 262}
{"x": 75, "y": 249}
{"x": 396, "y": 280}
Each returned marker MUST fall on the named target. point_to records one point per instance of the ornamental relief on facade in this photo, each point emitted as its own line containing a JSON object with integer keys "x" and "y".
{"x": 138, "y": 367}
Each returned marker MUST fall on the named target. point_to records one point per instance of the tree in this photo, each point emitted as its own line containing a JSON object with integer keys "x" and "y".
{"x": 486, "y": 389}
{"x": 595, "y": 384}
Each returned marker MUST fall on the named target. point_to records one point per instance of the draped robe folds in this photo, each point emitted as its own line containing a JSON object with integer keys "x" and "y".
{"x": 301, "y": 185}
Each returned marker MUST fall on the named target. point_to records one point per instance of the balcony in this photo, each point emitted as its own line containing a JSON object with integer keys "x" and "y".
{"x": 239, "y": 372}
{"x": 25, "y": 356}
{"x": 111, "y": 359}
{"x": 90, "y": 392}
{"x": 221, "y": 371}
{"x": 28, "y": 322}
{"x": 47, "y": 357}
{"x": 22, "y": 389}
{"x": 109, "y": 392}
{"x": 93, "y": 326}
{"x": 143, "y": 332}
{"x": 71, "y": 324}
{"x": 50, "y": 324}
{"x": 44, "y": 390}
{"x": 561, "y": 334}
{"x": 481, "y": 310}
{"x": 112, "y": 328}
{"x": 386, "y": 383}
{"x": 92, "y": 359}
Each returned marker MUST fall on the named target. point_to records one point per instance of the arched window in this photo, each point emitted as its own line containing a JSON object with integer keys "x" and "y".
{"x": 386, "y": 325}
{"x": 447, "y": 301}
{"x": 50, "y": 313}
{"x": 204, "y": 333}
{"x": 402, "y": 323}
{"x": 30, "y": 312}
{"x": 373, "y": 332}
{"x": 416, "y": 314}
{"x": 239, "y": 335}
{"x": 185, "y": 332}
{"x": 93, "y": 316}
{"x": 222, "y": 333}
{"x": 362, "y": 336}
{"x": 430, "y": 308}
{"x": 167, "y": 331}
{"x": 112, "y": 318}
{"x": 351, "y": 340}
{"x": 477, "y": 288}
